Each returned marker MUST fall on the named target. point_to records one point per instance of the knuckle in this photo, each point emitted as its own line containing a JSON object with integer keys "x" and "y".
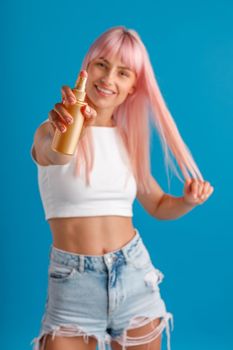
{"x": 94, "y": 113}
{"x": 61, "y": 125}
{"x": 64, "y": 87}
{"x": 69, "y": 119}
{"x": 52, "y": 114}
{"x": 68, "y": 115}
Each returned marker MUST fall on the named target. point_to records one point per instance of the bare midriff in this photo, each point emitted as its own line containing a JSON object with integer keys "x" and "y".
{"x": 92, "y": 235}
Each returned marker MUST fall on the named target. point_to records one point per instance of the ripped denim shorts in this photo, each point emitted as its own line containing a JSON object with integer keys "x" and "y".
{"x": 104, "y": 296}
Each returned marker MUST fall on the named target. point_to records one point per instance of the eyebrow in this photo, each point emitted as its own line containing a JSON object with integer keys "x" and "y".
{"x": 105, "y": 60}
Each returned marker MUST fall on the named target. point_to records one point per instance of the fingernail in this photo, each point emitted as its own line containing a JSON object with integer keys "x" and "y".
{"x": 69, "y": 120}
{"x": 62, "y": 127}
{"x": 88, "y": 109}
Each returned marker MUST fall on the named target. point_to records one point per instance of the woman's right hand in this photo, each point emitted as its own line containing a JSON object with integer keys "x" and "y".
{"x": 59, "y": 116}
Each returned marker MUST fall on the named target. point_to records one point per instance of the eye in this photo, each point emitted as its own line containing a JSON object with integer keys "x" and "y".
{"x": 124, "y": 74}
{"x": 100, "y": 64}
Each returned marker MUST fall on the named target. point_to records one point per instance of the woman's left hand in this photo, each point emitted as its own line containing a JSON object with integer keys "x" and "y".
{"x": 197, "y": 191}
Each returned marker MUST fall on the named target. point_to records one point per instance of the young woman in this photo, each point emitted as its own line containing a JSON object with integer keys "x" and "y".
{"x": 103, "y": 287}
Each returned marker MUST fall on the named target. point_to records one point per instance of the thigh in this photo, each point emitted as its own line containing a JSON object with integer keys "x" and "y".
{"x": 69, "y": 303}
{"x": 67, "y": 343}
{"x": 154, "y": 344}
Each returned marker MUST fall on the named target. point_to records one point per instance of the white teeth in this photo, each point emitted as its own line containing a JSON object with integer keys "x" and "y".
{"x": 109, "y": 92}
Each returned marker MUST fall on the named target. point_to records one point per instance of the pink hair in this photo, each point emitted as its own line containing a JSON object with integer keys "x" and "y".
{"x": 133, "y": 115}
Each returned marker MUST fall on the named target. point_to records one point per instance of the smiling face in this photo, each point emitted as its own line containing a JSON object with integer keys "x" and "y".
{"x": 109, "y": 83}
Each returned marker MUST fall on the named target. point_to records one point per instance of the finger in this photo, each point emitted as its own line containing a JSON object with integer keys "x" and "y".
{"x": 211, "y": 190}
{"x": 205, "y": 190}
{"x": 88, "y": 111}
{"x": 188, "y": 181}
{"x": 187, "y": 187}
{"x": 56, "y": 121}
{"x": 65, "y": 116}
{"x": 194, "y": 188}
{"x": 207, "y": 195}
{"x": 67, "y": 95}
{"x": 200, "y": 187}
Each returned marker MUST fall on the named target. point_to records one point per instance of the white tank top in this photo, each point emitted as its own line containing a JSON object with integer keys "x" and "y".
{"x": 112, "y": 189}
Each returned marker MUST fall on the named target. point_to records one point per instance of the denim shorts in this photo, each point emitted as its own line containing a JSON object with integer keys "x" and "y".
{"x": 103, "y": 296}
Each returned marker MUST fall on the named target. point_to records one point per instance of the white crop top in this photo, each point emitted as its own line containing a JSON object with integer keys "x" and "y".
{"x": 112, "y": 187}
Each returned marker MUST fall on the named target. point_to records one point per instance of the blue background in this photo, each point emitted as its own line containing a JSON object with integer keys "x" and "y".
{"x": 191, "y": 49}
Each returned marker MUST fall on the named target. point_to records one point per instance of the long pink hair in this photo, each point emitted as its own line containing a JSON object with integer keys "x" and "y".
{"x": 132, "y": 117}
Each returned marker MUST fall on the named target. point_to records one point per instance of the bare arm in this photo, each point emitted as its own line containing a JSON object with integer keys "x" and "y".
{"x": 42, "y": 150}
{"x": 195, "y": 191}
{"x": 164, "y": 206}
{"x": 170, "y": 207}
{"x": 150, "y": 201}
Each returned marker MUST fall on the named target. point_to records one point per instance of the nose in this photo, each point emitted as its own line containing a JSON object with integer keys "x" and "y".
{"x": 108, "y": 78}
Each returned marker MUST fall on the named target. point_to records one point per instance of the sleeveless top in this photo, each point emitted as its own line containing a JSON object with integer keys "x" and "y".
{"x": 112, "y": 188}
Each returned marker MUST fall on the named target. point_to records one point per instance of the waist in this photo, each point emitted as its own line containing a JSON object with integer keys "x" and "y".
{"x": 91, "y": 235}
{"x": 127, "y": 252}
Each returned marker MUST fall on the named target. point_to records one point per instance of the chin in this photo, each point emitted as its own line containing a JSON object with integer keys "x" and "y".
{"x": 100, "y": 103}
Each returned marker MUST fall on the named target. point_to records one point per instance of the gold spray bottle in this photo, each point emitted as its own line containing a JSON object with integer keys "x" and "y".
{"x": 66, "y": 142}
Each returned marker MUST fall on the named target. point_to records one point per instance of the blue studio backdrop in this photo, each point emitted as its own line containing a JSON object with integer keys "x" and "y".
{"x": 191, "y": 49}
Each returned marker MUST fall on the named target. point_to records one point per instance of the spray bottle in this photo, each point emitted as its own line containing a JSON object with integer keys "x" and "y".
{"x": 66, "y": 142}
